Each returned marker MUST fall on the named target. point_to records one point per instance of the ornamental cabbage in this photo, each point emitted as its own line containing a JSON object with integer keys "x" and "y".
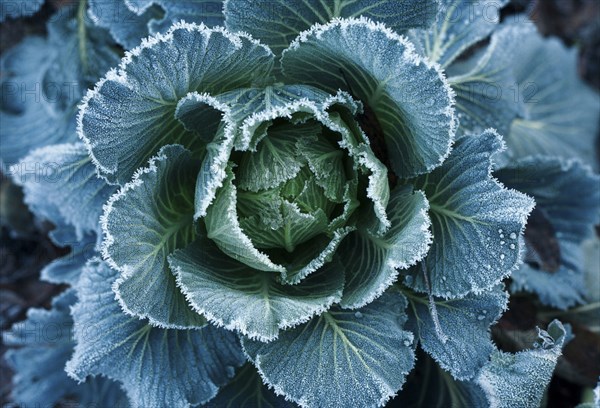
{"x": 299, "y": 201}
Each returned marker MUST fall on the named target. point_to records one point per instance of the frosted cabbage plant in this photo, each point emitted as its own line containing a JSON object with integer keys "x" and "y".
{"x": 287, "y": 200}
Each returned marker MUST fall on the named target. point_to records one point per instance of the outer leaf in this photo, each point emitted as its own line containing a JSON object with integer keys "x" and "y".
{"x": 427, "y": 376}
{"x": 253, "y": 302}
{"x": 67, "y": 269}
{"x": 459, "y": 25}
{"x": 568, "y": 194}
{"x": 483, "y": 85}
{"x": 519, "y": 380}
{"x": 19, "y": 8}
{"x": 130, "y": 114}
{"x": 456, "y": 333}
{"x": 144, "y": 222}
{"x": 277, "y": 23}
{"x": 45, "y": 346}
{"x": 371, "y": 263}
{"x": 341, "y": 358}
{"x": 548, "y": 86}
{"x": 158, "y": 367}
{"x": 247, "y": 390}
{"x": 64, "y": 187}
{"x": 476, "y": 222}
{"x": 43, "y": 80}
{"x": 409, "y": 96}
{"x": 131, "y": 20}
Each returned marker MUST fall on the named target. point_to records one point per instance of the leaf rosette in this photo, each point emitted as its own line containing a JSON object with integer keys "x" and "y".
{"x": 281, "y": 192}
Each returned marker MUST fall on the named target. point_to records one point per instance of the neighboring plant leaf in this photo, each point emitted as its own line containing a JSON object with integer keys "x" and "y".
{"x": 519, "y": 380}
{"x": 549, "y": 85}
{"x": 19, "y": 8}
{"x": 277, "y": 23}
{"x": 148, "y": 219}
{"x": 67, "y": 269}
{"x": 456, "y": 333}
{"x": 247, "y": 390}
{"x": 64, "y": 187}
{"x": 477, "y": 223}
{"x": 459, "y": 24}
{"x": 125, "y": 122}
{"x": 129, "y": 21}
{"x": 158, "y": 367}
{"x": 43, "y": 81}
{"x": 45, "y": 344}
{"x": 567, "y": 194}
{"x": 340, "y": 358}
{"x": 371, "y": 263}
{"x": 409, "y": 96}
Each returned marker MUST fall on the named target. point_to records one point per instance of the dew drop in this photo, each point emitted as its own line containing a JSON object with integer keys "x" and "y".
{"x": 502, "y": 242}
{"x": 448, "y": 294}
{"x": 500, "y": 231}
{"x": 488, "y": 267}
{"x": 358, "y": 315}
{"x": 512, "y": 246}
{"x": 502, "y": 256}
{"x": 407, "y": 343}
{"x": 513, "y": 235}
{"x": 501, "y": 235}
{"x": 444, "y": 278}
{"x": 230, "y": 371}
{"x": 480, "y": 317}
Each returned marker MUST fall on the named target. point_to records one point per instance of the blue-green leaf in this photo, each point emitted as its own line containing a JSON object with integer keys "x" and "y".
{"x": 483, "y": 85}
{"x": 254, "y": 302}
{"x": 45, "y": 344}
{"x": 247, "y": 390}
{"x": 277, "y": 23}
{"x": 131, "y": 20}
{"x": 371, "y": 263}
{"x": 567, "y": 194}
{"x": 43, "y": 79}
{"x": 158, "y": 367}
{"x": 519, "y": 380}
{"x": 19, "y": 8}
{"x": 341, "y": 358}
{"x": 64, "y": 187}
{"x": 143, "y": 223}
{"x": 476, "y": 222}
{"x": 459, "y": 24}
{"x": 548, "y": 86}
{"x": 130, "y": 114}
{"x": 428, "y": 376}
{"x": 456, "y": 333}
{"x": 409, "y": 96}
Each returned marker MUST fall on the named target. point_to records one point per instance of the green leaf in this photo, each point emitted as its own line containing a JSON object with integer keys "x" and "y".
{"x": 132, "y": 20}
{"x": 371, "y": 263}
{"x": 130, "y": 114}
{"x": 247, "y": 390}
{"x": 65, "y": 188}
{"x": 158, "y": 367}
{"x": 410, "y": 98}
{"x": 476, "y": 222}
{"x": 547, "y": 86}
{"x": 459, "y": 25}
{"x": 341, "y": 358}
{"x": 40, "y": 348}
{"x": 428, "y": 376}
{"x": 519, "y": 380}
{"x": 277, "y": 23}
{"x": 43, "y": 80}
{"x": 223, "y": 228}
{"x": 148, "y": 219}
{"x": 254, "y": 302}
{"x": 567, "y": 195}
{"x": 456, "y": 333}
{"x": 483, "y": 86}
